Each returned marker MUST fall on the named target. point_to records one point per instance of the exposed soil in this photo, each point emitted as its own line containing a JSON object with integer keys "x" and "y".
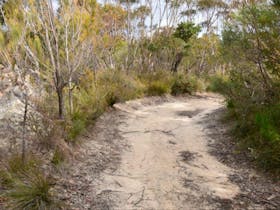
{"x": 259, "y": 189}
{"x": 163, "y": 154}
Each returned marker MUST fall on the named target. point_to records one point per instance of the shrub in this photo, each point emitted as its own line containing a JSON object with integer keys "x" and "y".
{"x": 185, "y": 84}
{"x": 58, "y": 157}
{"x": 89, "y": 104}
{"x": 157, "y": 88}
{"x": 156, "y": 83}
{"x": 31, "y": 194}
{"x": 6, "y": 180}
{"x": 44, "y": 128}
{"x": 78, "y": 124}
{"x": 46, "y": 132}
{"x": 15, "y": 164}
{"x": 258, "y": 131}
{"x": 95, "y": 94}
{"x": 217, "y": 83}
{"x": 25, "y": 186}
{"x": 180, "y": 85}
{"x": 119, "y": 87}
{"x": 267, "y": 140}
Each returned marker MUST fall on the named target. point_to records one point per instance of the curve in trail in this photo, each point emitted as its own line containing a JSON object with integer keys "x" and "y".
{"x": 168, "y": 165}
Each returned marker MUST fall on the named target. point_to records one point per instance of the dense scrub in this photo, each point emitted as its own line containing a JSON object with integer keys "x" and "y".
{"x": 257, "y": 124}
{"x": 251, "y": 45}
{"x": 98, "y": 92}
{"x": 70, "y": 61}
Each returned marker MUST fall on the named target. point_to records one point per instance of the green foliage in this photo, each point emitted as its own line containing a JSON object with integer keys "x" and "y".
{"x": 164, "y": 82}
{"x": 156, "y": 83}
{"x": 6, "y": 180}
{"x": 25, "y": 186}
{"x": 184, "y": 84}
{"x": 268, "y": 135}
{"x": 119, "y": 87}
{"x": 251, "y": 44}
{"x": 32, "y": 194}
{"x": 96, "y": 93}
{"x": 157, "y": 88}
{"x": 15, "y": 168}
{"x": 78, "y": 124}
{"x": 217, "y": 83}
{"x": 187, "y": 30}
{"x": 89, "y": 105}
{"x": 58, "y": 157}
{"x": 276, "y": 3}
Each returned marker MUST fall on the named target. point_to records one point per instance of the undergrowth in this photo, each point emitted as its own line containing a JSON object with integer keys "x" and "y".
{"x": 25, "y": 186}
{"x": 98, "y": 92}
{"x": 183, "y": 84}
{"x": 257, "y": 120}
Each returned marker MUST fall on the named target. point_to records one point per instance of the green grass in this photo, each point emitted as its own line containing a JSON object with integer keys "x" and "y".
{"x": 25, "y": 186}
{"x": 31, "y": 194}
{"x": 58, "y": 157}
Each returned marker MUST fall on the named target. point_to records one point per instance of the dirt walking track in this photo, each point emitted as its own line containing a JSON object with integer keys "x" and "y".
{"x": 153, "y": 154}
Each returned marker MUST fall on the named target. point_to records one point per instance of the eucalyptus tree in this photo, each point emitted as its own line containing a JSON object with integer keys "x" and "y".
{"x": 53, "y": 44}
{"x": 184, "y": 31}
{"x": 251, "y": 43}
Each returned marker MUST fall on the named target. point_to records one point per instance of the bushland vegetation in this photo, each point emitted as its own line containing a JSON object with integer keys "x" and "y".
{"x": 250, "y": 47}
{"x": 74, "y": 59}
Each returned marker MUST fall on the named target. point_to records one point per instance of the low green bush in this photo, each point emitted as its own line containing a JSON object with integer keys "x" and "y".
{"x": 180, "y": 85}
{"x": 119, "y": 87}
{"x": 257, "y": 118}
{"x": 267, "y": 140}
{"x": 156, "y": 83}
{"x": 58, "y": 157}
{"x": 25, "y": 186}
{"x": 31, "y": 194}
{"x": 185, "y": 84}
{"x": 217, "y": 83}
{"x": 157, "y": 88}
{"x": 78, "y": 124}
{"x": 95, "y": 94}
{"x": 257, "y": 126}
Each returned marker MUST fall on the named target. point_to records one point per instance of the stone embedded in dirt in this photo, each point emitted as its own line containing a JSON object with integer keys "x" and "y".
{"x": 187, "y": 156}
{"x": 172, "y": 142}
{"x": 189, "y": 114}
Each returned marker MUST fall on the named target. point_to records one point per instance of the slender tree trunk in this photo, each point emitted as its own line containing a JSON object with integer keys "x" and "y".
{"x": 23, "y": 152}
{"x": 70, "y": 95}
{"x": 201, "y": 63}
{"x": 59, "y": 91}
{"x": 177, "y": 62}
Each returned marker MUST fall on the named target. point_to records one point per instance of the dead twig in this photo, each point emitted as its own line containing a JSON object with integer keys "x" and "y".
{"x": 141, "y": 198}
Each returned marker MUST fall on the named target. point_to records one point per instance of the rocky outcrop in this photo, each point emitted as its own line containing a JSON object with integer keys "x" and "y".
{"x": 11, "y": 111}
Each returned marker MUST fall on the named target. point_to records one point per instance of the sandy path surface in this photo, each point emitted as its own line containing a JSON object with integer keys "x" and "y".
{"x": 167, "y": 165}
{"x": 164, "y": 154}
